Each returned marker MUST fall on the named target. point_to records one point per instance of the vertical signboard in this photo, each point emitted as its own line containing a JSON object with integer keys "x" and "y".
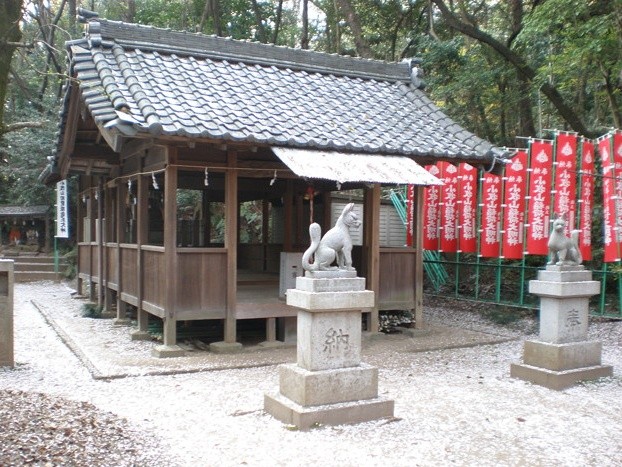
{"x": 62, "y": 211}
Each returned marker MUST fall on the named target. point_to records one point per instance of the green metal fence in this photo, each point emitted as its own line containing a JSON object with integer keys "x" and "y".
{"x": 503, "y": 282}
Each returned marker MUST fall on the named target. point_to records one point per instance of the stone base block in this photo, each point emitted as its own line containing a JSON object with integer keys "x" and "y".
{"x": 561, "y": 357}
{"x": 121, "y": 322}
{"x": 287, "y": 411}
{"x": 168, "y": 351}
{"x": 320, "y": 301}
{"x": 341, "y": 284}
{"x": 140, "y": 336}
{"x": 564, "y": 289}
{"x": 309, "y": 388}
{"x": 225, "y": 347}
{"x": 558, "y": 380}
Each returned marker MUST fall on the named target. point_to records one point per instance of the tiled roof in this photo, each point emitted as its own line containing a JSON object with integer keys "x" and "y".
{"x": 24, "y": 211}
{"x": 144, "y": 80}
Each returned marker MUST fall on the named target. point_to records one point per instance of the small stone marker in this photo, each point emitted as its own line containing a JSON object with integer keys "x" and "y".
{"x": 562, "y": 356}
{"x": 329, "y": 384}
{"x": 6, "y": 313}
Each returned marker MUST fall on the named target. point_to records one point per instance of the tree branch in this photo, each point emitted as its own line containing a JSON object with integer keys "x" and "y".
{"x": 518, "y": 62}
{"x": 21, "y": 126}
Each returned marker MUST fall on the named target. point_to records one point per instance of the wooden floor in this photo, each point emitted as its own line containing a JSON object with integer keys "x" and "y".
{"x": 258, "y": 297}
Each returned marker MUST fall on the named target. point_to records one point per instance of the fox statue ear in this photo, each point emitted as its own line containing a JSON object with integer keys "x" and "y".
{"x": 348, "y": 207}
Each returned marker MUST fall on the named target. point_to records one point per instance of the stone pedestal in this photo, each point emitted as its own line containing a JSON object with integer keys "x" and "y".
{"x": 329, "y": 384}
{"x": 562, "y": 356}
{"x": 6, "y": 313}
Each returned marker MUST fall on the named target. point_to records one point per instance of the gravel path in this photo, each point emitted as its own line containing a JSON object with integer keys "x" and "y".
{"x": 454, "y": 405}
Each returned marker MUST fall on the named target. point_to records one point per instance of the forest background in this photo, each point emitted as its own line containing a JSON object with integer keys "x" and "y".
{"x": 504, "y": 69}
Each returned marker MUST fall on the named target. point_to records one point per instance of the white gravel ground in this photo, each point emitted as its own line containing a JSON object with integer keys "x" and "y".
{"x": 452, "y": 406}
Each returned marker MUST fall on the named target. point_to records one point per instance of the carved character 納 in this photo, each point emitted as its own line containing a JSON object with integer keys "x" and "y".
{"x": 335, "y": 245}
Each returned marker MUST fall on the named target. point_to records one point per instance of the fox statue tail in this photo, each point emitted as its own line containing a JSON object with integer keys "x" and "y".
{"x": 575, "y": 241}
{"x": 315, "y": 232}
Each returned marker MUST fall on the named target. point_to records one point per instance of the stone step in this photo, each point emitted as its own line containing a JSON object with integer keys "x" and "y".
{"x": 32, "y": 276}
{"x": 42, "y": 267}
{"x": 24, "y": 258}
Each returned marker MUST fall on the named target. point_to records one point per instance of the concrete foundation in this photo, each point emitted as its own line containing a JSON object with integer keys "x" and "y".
{"x": 7, "y": 281}
{"x": 328, "y": 385}
{"x": 225, "y": 347}
{"x": 562, "y": 356}
{"x": 306, "y": 417}
{"x": 167, "y": 351}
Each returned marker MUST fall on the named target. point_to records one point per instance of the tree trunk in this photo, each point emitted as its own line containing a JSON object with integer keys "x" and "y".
{"x": 130, "y": 14}
{"x": 261, "y": 31}
{"x": 10, "y": 15}
{"x": 362, "y": 47}
{"x": 212, "y": 8}
{"x": 611, "y": 97}
{"x": 304, "y": 39}
{"x": 277, "y": 22}
{"x": 522, "y": 67}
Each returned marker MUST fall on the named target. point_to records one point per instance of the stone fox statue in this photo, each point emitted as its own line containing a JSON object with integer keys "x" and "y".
{"x": 561, "y": 248}
{"x": 336, "y": 244}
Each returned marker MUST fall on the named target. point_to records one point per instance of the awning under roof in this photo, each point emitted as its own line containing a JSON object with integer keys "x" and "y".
{"x": 347, "y": 167}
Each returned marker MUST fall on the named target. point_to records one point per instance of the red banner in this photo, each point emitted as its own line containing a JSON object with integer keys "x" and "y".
{"x": 449, "y": 207}
{"x": 609, "y": 202}
{"x": 587, "y": 199}
{"x": 565, "y": 178}
{"x": 540, "y": 197}
{"x": 468, "y": 206}
{"x": 514, "y": 206}
{"x": 431, "y": 212}
{"x": 491, "y": 216}
{"x": 410, "y": 209}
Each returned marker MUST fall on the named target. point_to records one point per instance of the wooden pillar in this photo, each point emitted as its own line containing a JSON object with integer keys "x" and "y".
{"x": 90, "y": 215}
{"x": 327, "y": 214}
{"x": 207, "y": 218}
{"x": 301, "y": 223}
{"x": 265, "y": 230}
{"x": 231, "y": 238}
{"x": 418, "y": 243}
{"x": 107, "y": 236}
{"x": 288, "y": 211}
{"x": 142, "y": 205}
{"x": 231, "y": 235}
{"x": 99, "y": 224}
{"x": 120, "y": 231}
{"x": 169, "y": 321}
{"x": 371, "y": 235}
{"x": 79, "y": 236}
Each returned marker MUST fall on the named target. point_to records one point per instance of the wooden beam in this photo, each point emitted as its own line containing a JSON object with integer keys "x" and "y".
{"x": 73, "y": 114}
{"x": 134, "y": 146}
{"x": 86, "y": 151}
{"x": 111, "y": 137}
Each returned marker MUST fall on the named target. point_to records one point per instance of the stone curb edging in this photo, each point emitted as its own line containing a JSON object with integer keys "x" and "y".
{"x": 97, "y": 375}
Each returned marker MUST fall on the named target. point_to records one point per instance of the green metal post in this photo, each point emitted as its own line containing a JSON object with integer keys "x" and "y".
{"x": 55, "y": 255}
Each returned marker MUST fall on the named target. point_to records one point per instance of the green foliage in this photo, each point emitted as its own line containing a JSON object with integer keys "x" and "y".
{"x": 92, "y": 310}
{"x": 27, "y": 151}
